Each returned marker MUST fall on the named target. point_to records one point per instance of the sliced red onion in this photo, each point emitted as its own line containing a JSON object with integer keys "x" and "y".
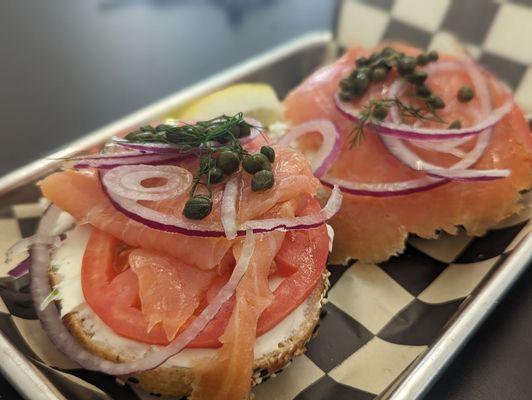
{"x": 334, "y": 203}
{"x": 229, "y": 201}
{"x": 63, "y": 339}
{"x": 460, "y": 170}
{"x": 126, "y": 181}
{"x": 108, "y": 156}
{"x": 384, "y": 189}
{"x": 114, "y": 160}
{"x": 24, "y": 245}
{"x": 21, "y": 269}
{"x": 465, "y": 175}
{"x": 179, "y": 224}
{"x": 449, "y": 146}
{"x": 158, "y": 148}
{"x": 330, "y": 148}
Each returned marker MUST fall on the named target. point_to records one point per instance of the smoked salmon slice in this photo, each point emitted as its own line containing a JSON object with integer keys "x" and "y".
{"x": 80, "y": 194}
{"x": 169, "y": 290}
{"x": 227, "y": 375}
{"x": 373, "y": 229}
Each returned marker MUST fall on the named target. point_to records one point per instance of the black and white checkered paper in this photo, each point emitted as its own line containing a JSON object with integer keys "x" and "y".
{"x": 378, "y": 318}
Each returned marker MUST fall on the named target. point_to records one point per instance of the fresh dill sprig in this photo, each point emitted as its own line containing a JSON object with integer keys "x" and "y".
{"x": 204, "y": 139}
{"x": 376, "y": 110}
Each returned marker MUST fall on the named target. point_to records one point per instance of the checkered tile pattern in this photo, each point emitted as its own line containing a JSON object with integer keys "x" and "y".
{"x": 378, "y": 318}
{"x": 497, "y": 33}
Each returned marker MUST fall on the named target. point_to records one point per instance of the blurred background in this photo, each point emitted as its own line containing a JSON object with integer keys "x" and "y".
{"x": 69, "y": 67}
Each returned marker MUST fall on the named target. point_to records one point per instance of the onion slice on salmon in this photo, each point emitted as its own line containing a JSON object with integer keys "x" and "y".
{"x": 229, "y": 200}
{"x": 460, "y": 170}
{"x": 126, "y": 181}
{"x": 112, "y": 160}
{"x": 174, "y": 224}
{"x": 330, "y": 148}
{"x": 63, "y": 339}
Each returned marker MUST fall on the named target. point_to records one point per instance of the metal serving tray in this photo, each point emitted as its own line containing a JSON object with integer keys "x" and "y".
{"x": 283, "y": 67}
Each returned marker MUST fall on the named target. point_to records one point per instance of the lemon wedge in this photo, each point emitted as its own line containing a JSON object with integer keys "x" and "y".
{"x": 255, "y": 100}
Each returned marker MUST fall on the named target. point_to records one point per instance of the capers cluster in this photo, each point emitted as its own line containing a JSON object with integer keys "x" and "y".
{"x": 227, "y": 163}
{"x": 259, "y": 165}
{"x": 377, "y": 67}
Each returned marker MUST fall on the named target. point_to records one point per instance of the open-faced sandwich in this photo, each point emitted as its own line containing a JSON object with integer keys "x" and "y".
{"x": 196, "y": 260}
{"x": 426, "y": 142}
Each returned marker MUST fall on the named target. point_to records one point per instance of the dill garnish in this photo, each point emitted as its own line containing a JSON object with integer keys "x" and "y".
{"x": 215, "y": 143}
{"x": 376, "y": 110}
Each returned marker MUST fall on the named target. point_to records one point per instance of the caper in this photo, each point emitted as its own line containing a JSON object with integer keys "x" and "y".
{"x": 174, "y": 136}
{"x": 465, "y": 94}
{"x": 385, "y": 63}
{"x": 216, "y": 175}
{"x": 363, "y": 71}
{"x": 262, "y": 180}
{"x": 417, "y": 77}
{"x": 380, "y": 112}
{"x": 373, "y": 57}
{"x": 362, "y": 61}
{"x": 223, "y": 138}
{"x": 360, "y": 84}
{"x": 423, "y": 59}
{"x": 406, "y": 65}
{"x": 388, "y": 51}
{"x": 268, "y": 152}
{"x": 423, "y": 91}
{"x": 228, "y": 162}
{"x": 435, "y": 102}
{"x": 433, "y": 55}
{"x": 344, "y": 96}
{"x": 255, "y": 163}
{"x": 198, "y": 207}
{"x": 456, "y": 124}
{"x": 345, "y": 85}
{"x": 241, "y": 130}
{"x": 245, "y": 130}
{"x": 378, "y": 74}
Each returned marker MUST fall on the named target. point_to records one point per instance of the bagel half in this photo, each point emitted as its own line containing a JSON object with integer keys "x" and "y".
{"x": 170, "y": 378}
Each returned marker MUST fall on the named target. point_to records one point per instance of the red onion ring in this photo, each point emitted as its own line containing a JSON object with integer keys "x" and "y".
{"x": 118, "y": 159}
{"x": 328, "y": 151}
{"x": 458, "y": 171}
{"x": 65, "y": 342}
{"x": 228, "y": 212}
{"x": 126, "y": 181}
{"x": 384, "y": 189}
{"x": 174, "y": 224}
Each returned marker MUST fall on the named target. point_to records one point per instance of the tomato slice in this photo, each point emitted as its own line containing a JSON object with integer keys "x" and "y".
{"x": 113, "y": 293}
